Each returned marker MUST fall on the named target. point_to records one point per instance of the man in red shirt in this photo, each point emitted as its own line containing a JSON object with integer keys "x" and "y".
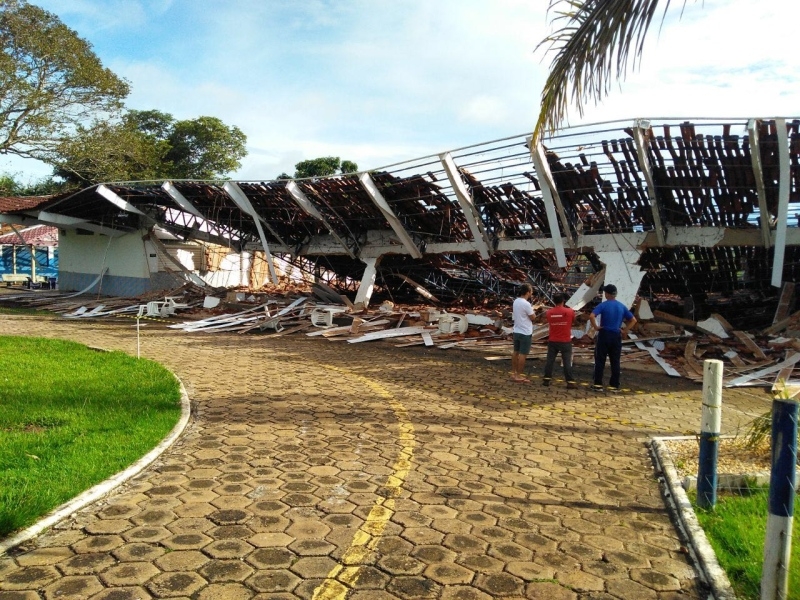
{"x": 560, "y": 319}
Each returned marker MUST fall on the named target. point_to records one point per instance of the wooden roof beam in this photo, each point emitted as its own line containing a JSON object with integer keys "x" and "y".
{"x": 468, "y": 207}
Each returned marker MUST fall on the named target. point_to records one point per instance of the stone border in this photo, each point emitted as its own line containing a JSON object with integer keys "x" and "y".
{"x": 95, "y": 493}
{"x": 679, "y": 505}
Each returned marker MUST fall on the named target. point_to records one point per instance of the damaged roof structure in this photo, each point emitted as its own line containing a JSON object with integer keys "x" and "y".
{"x": 699, "y": 210}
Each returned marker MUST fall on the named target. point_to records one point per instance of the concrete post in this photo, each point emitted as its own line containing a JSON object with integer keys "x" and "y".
{"x": 783, "y": 478}
{"x": 709, "y": 434}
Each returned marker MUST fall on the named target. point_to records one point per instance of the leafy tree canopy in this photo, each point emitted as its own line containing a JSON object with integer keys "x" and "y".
{"x": 50, "y": 81}
{"x": 11, "y": 186}
{"x": 150, "y": 145}
{"x": 321, "y": 167}
{"x": 205, "y": 148}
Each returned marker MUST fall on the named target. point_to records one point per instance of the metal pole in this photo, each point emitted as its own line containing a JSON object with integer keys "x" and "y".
{"x": 142, "y": 308}
{"x": 778, "y": 542}
{"x": 709, "y": 434}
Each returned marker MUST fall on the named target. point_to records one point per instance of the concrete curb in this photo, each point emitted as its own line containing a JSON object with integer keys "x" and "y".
{"x": 95, "y": 493}
{"x": 678, "y": 502}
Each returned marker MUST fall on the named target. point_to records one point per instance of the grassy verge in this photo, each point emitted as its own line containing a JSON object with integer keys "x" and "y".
{"x": 69, "y": 418}
{"x": 736, "y": 529}
{"x": 12, "y": 310}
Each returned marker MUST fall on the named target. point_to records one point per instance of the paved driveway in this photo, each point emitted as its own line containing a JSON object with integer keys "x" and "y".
{"x": 314, "y": 469}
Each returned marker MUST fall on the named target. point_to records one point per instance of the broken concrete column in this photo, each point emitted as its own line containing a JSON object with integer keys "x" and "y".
{"x": 623, "y": 271}
{"x": 367, "y": 285}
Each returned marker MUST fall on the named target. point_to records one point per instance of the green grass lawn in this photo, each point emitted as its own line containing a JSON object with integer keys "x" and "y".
{"x": 9, "y": 310}
{"x": 69, "y": 418}
{"x": 736, "y": 529}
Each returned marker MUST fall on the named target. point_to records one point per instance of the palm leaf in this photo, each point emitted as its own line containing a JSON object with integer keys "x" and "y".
{"x": 593, "y": 43}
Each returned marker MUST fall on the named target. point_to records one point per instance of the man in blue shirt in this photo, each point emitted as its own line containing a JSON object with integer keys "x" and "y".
{"x": 608, "y": 343}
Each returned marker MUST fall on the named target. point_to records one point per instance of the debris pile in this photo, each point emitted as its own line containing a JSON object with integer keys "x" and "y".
{"x": 677, "y": 345}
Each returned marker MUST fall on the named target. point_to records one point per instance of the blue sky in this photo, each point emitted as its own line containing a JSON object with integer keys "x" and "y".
{"x": 380, "y": 81}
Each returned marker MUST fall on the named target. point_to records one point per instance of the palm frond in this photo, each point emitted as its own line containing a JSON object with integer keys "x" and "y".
{"x": 593, "y": 43}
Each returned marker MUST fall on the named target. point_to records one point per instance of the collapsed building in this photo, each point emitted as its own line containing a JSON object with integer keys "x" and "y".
{"x": 698, "y": 214}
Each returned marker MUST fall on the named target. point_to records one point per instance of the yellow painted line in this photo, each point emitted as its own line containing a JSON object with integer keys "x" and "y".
{"x": 343, "y": 576}
{"x": 144, "y": 318}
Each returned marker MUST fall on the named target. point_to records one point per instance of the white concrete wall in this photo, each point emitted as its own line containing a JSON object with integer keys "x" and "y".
{"x": 124, "y": 256}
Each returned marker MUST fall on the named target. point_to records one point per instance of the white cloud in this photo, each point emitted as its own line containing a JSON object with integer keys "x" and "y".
{"x": 378, "y": 81}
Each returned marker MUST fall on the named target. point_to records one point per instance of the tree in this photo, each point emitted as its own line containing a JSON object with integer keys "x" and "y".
{"x": 50, "y": 81}
{"x": 8, "y": 186}
{"x": 149, "y": 145}
{"x": 592, "y": 47}
{"x": 205, "y": 148}
{"x": 108, "y": 151}
{"x": 322, "y": 167}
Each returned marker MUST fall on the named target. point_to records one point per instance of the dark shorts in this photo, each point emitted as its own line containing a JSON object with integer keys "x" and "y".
{"x": 522, "y": 343}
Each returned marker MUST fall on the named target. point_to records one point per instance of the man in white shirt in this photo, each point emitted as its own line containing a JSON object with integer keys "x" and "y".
{"x": 523, "y": 330}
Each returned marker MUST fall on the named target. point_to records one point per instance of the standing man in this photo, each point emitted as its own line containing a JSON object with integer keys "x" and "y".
{"x": 560, "y": 319}
{"x": 523, "y": 330}
{"x": 608, "y": 343}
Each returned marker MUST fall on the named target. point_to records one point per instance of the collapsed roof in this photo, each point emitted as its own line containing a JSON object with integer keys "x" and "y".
{"x": 697, "y": 209}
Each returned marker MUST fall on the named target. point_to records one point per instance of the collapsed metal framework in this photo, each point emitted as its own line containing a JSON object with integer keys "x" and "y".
{"x": 694, "y": 209}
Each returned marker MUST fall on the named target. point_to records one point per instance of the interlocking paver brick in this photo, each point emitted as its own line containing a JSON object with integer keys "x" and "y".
{"x": 225, "y": 591}
{"x": 73, "y": 587}
{"x": 82, "y": 564}
{"x": 290, "y": 448}
{"x": 123, "y": 593}
{"x": 543, "y": 590}
{"x": 129, "y": 573}
{"x": 21, "y": 595}
{"x": 216, "y": 571}
{"x": 449, "y": 573}
{"x": 181, "y": 560}
{"x": 41, "y": 556}
{"x": 29, "y": 578}
{"x": 500, "y": 584}
{"x": 279, "y": 580}
{"x": 170, "y": 585}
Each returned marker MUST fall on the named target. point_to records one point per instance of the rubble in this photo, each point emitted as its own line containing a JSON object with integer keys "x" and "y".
{"x": 678, "y": 345}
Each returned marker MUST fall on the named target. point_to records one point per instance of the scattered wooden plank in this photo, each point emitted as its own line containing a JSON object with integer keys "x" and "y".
{"x": 289, "y": 330}
{"x": 781, "y": 325}
{"x": 713, "y": 326}
{"x": 388, "y": 333}
{"x": 734, "y": 357}
{"x": 692, "y": 364}
{"x": 668, "y": 318}
{"x": 750, "y": 344}
{"x": 426, "y": 337}
{"x": 668, "y": 368}
{"x": 651, "y": 338}
{"x": 723, "y": 321}
{"x": 751, "y": 377}
{"x": 419, "y": 289}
